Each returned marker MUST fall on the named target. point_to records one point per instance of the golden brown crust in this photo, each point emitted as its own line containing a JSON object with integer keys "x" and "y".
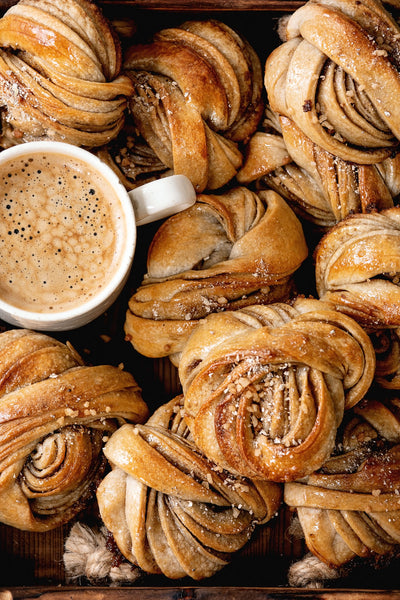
{"x": 168, "y": 508}
{"x": 226, "y": 252}
{"x": 357, "y": 267}
{"x": 336, "y": 76}
{"x": 54, "y": 412}
{"x": 60, "y": 73}
{"x": 265, "y": 387}
{"x": 320, "y": 187}
{"x": 265, "y": 152}
{"x": 247, "y": 69}
{"x": 350, "y": 507}
{"x": 198, "y": 93}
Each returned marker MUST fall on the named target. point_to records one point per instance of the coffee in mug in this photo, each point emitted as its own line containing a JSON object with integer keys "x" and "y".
{"x": 68, "y": 232}
{"x": 62, "y": 232}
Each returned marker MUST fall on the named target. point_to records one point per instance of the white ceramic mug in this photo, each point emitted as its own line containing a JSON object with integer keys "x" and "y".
{"x": 68, "y": 232}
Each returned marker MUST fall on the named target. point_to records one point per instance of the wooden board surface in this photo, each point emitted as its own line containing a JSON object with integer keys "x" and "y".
{"x": 191, "y": 5}
{"x": 193, "y": 593}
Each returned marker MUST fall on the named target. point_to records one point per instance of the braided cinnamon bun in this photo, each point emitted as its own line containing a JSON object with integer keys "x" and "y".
{"x": 320, "y": 187}
{"x": 169, "y": 509}
{"x": 357, "y": 266}
{"x": 60, "y": 73}
{"x": 226, "y": 252}
{"x": 351, "y": 506}
{"x": 54, "y": 414}
{"x": 266, "y": 386}
{"x": 336, "y": 75}
{"x": 197, "y": 93}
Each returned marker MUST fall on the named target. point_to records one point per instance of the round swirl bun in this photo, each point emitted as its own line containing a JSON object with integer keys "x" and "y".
{"x": 54, "y": 414}
{"x": 320, "y": 187}
{"x": 226, "y": 252}
{"x": 351, "y": 506}
{"x": 60, "y": 79}
{"x": 387, "y": 348}
{"x": 198, "y": 91}
{"x": 169, "y": 509}
{"x": 266, "y": 386}
{"x": 358, "y": 267}
{"x": 336, "y": 76}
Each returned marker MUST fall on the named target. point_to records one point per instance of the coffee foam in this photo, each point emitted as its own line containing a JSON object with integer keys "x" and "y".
{"x": 61, "y": 232}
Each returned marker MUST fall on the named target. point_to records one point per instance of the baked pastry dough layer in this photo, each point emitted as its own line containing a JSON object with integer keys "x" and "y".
{"x": 60, "y": 74}
{"x": 266, "y": 387}
{"x": 350, "y": 507}
{"x": 168, "y": 508}
{"x": 226, "y": 252}
{"x": 54, "y": 413}
{"x": 357, "y": 267}
{"x": 197, "y": 94}
{"x": 336, "y": 76}
{"x": 321, "y": 188}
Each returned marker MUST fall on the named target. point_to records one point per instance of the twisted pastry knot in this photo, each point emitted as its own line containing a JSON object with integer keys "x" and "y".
{"x": 54, "y": 413}
{"x": 266, "y": 387}
{"x": 321, "y": 188}
{"x": 351, "y": 507}
{"x": 60, "y": 78}
{"x": 169, "y": 509}
{"x": 198, "y": 92}
{"x": 224, "y": 253}
{"x": 336, "y": 75}
{"x": 387, "y": 349}
{"x": 357, "y": 268}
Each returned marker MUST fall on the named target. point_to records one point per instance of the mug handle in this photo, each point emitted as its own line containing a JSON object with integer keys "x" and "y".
{"x": 162, "y": 198}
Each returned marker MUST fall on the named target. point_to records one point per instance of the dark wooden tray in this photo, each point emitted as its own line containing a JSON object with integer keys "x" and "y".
{"x": 191, "y": 5}
{"x": 193, "y": 593}
{"x": 31, "y": 564}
